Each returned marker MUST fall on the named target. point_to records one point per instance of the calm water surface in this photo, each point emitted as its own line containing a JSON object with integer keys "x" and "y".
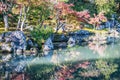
{"x": 96, "y": 60}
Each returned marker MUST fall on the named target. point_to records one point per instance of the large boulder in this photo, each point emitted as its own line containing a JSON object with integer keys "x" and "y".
{"x": 16, "y": 39}
{"x": 78, "y": 37}
{"x": 48, "y": 45}
{"x": 71, "y": 42}
{"x": 60, "y": 38}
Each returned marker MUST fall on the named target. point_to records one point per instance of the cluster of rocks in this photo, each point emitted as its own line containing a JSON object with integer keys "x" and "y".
{"x": 13, "y": 41}
{"x": 63, "y": 41}
{"x": 81, "y": 37}
{"x": 16, "y": 42}
{"x": 78, "y": 37}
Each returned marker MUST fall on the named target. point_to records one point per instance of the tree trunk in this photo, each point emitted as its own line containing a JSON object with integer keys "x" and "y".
{"x": 58, "y": 21}
{"x": 5, "y": 17}
{"x": 23, "y": 22}
{"x": 41, "y": 24}
{"x": 26, "y": 9}
{"x": 19, "y": 21}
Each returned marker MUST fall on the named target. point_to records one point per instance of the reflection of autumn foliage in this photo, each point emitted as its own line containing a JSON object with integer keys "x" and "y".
{"x": 83, "y": 65}
{"x": 20, "y": 76}
{"x": 55, "y": 59}
{"x": 86, "y": 70}
{"x": 66, "y": 72}
{"x": 97, "y": 48}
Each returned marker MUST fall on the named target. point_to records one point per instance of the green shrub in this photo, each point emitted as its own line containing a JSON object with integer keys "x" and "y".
{"x": 40, "y": 34}
{"x": 107, "y": 6}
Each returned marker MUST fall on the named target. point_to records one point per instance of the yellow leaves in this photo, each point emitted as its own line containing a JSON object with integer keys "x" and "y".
{"x": 18, "y": 1}
{"x": 50, "y": 22}
{"x": 37, "y": 2}
{"x": 101, "y": 2}
{"x": 46, "y": 22}
{"x": 42, "y": 40}
{"x": 96, "y": 31}
{"x": 53, "y": 21}
{"x": 104, "y": 20}
{"x": 15, "y": 10}
{"x": 30, "y": 2}
{"x": 71, "y": 19}
{"x": 22, "y": 2}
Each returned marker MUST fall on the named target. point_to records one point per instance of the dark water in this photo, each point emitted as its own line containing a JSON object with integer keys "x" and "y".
{"x": 98, "y": 60}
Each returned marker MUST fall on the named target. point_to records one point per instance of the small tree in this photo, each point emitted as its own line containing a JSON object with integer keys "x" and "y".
{"x": 27, "y": 8}
{"x": 5, "y": 7}
{"x": 97, "y": 20}
{"x": 65, "y": 14}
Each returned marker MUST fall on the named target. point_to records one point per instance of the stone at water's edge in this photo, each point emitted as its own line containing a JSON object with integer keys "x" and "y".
{"x": 30, "y": 43}
{"x": 58, "y": 45}
{"x": 78, "y": 37}
{"x": 60, "y": 38}
{"x": 48, "y": 45}
{"x": 71, "y": 42}
{"x": 82, "y": 32}
{"x": 6, "y": 47}
{"x": 71, "y": 39}
{"x": 19, "y": 51}
{"x": 16, "y": 39}
{"x": 33, "y": 51}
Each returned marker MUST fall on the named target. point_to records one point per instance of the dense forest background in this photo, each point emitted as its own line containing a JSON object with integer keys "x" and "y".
{"x": 31, "y": 16}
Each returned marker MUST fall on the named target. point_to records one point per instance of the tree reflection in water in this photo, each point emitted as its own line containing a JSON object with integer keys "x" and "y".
{"x": 100, "y": 49}
{"x": 79, "y": 62}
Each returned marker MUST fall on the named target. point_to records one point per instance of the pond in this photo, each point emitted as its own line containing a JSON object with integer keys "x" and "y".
{"x": 90, "y": 60}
